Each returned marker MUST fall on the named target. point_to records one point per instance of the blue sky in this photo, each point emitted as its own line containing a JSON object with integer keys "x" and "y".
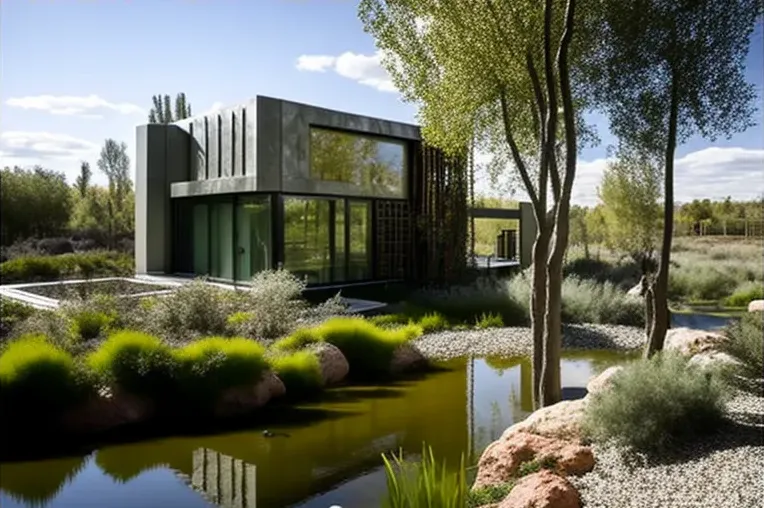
{"x": 77, "y": 72}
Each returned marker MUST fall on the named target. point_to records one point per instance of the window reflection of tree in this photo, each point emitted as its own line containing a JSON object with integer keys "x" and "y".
{"x": 375, "y": 166}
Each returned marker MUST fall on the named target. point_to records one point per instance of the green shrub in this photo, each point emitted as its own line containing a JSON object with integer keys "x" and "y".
{"x": 745, "y": 343}
{"x": 745, "y": 293}
{"x": 89, "y": 324}
{"x": 135, "y": 361}
{"x": 489, "y": 321}
{"x": 52, "y": 324}
{"x": 390, "y": 320}
{"x": 51, "y": 268}
{"x": 424, "y": 484}
{"x": 38, "y": 379}
{"x": 655, "y": 404}
{"x": 488, "y": 495}
{"x": 433, "y": 322}
{"x": 208, "y": 366}
{"x": 193, "y": 310}
{"x": 12, "y": 312}
{"x": 368, "y": 348}
{"x": 300, "y": 372}
{"x": 698, "y": 278}
{"x": 297, "y": 340}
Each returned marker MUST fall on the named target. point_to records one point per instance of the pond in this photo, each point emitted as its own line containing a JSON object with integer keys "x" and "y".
{"x": 331, "y": 457}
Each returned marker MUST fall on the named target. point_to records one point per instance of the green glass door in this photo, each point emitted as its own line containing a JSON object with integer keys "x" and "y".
{"x": 221, "y": 247}
{"x": 253, "y": 236}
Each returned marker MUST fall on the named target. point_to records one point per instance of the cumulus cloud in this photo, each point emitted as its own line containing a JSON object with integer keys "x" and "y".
{"x": 713, "y": 173}
{"x": 59, "y": 152}
{"x": 364, "y": 69}
{"x": 91, "y": 106}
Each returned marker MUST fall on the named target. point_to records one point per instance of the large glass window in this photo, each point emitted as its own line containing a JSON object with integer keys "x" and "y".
{"x": 377, "y": 167}
{"x": 221, "y": 248}
{"x": 201, "y": 241}
{"x": 253, "y": 224}
{"x": 359, "y": 263}
{"x": 307, "y": 250}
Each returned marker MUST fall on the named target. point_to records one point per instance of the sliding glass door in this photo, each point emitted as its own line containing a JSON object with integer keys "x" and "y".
{"x": 253, "y": 238}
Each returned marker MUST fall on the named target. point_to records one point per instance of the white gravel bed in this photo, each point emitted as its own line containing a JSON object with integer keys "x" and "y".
{"x": 516, "y": 341}
{"x": 725, "y": 470}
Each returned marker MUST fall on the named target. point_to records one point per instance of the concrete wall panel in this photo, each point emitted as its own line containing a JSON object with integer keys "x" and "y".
{"x": 213, "y": 146}
{"x": 227, "y": 143}
{"x": 199, "y": 149}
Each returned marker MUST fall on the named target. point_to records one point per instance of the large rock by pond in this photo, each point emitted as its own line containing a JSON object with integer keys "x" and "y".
{"x": 603, "y": 381}
{"x": 107, "y": 409}
{"x": 542, "y": 490}
{"x": 756, "y": 306}
{"x": 689, "y": 342}
{"x": 334, "y": 365}
{"x": 407, "y": 358}
{"x": 244, "y": 399}
{"x": 500, "y": 461}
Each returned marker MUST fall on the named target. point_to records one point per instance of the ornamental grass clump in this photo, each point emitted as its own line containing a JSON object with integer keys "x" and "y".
{"x": 300, "y": 371}
{"x": 298, "y": 339}
{"x": 137, "y": 362}
{"x": 38, "y": 380}
{"x": 207, "y": 367}
{"x": 424, "y": 484}
{"x": 655, "y": 404}
{"x": 744, "y": 342}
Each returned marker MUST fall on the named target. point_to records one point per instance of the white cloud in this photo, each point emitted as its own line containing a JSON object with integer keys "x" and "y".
{"x": 365, "y": 69}
{"x": 713, "y": 173}
{"x": 59, "y": 152}
{"x": 87, "y": 106}
{"x": 216, "y": 106}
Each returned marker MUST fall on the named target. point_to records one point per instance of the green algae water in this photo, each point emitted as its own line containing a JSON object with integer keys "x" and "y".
{"x": 330, "y": 457}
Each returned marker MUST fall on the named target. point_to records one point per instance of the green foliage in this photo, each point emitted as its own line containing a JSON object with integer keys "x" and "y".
{"x": 368, "y": 348}
{"x": 33, "y": 203}
{"x": 697, "y": 277}
{"x": 630, "y": 190}
{"x": 135, "y": 361}
{"x": 51, "y": 324}
{"x": 488, "y": 495}
{"x": 193, "y": 310}
{"x": 390, "y": 320}
{"x": 745, "y": 342}
{"x": 536, "y": 465}
{"x": 300, "y": 372}
{"x": 488, "y": 320}
{"x": 298, "y": 339}
{"x": 91, "y": 324}
{"x": 433, "y": 322}
{"x": 657, "y": 403}
{"x": 12, "y": 312}
{"x": 744, "y": 293}
{"x": 66, "y": 266}
{"x": 163, "y": 110}
{"x": 209, "y": 366}
{"x": 38, "y": 379}
{"x": 424, "y": 484}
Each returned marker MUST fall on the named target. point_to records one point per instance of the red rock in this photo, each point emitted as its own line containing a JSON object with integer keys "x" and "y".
{"x": 107, "y": 409}
{"x": 559, "y": 421}
{"x": 542, "y": 490}
{"x": 244, "y": 399}
{"x": 501, "y": 459}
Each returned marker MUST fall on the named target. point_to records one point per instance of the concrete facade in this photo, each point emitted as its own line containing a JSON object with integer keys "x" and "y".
{"x": 260, "y": 146}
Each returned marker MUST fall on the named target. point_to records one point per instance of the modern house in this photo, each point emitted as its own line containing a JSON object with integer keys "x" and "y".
{"x": 334, "y": 197}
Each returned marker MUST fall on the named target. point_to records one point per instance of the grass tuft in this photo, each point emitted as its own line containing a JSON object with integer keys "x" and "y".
{"x": 424, "y": 484}
{"x": 300, "y": 372}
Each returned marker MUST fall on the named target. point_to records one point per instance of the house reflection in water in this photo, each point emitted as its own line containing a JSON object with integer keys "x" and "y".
{"x": 224, "y": 480}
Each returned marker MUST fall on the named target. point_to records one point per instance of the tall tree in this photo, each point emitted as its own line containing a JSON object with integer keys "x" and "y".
{"x": 498, "y": 73}
{"x": 667, "y": 70}
{"x": 115, "y": 164}
{"x": 165, "y": 112}
{"x": 83, "y": 179}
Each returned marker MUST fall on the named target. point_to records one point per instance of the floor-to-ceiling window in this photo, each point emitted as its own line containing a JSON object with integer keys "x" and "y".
{"x": 327, "y": 240}
{"x": 227, "y": 238}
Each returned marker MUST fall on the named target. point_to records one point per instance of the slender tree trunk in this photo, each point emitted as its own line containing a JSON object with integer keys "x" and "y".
{"x": 539, "y": 304}
{"x": 661, "y": 316}
{"x": 551, "y": 391}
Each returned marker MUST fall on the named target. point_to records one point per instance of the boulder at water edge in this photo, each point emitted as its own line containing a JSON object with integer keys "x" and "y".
{"x": 756, "y": 306}
{"x": 407, "y": 358}
{"x": 542, "y": 490}
{"x": 334, "y": 365}
{"x": 689, "y": 342}
{"x": 560, "y": 421}
{"x": 244, "y": 399}
{"x": 604, "y": 381}
{"x": 108, "y": 409}
{"x": 501, "y": 460}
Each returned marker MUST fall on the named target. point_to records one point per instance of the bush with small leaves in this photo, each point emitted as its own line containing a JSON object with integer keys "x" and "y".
{"x": 657, "y": 403}
{"x": 38, "y": 380}
{"x": 137, "y": 362}
{"x": 300, "y": 371}
{"x": 12, "y": 312}
{"x": 745, "y": 342}
{"x": 207, "y": 367}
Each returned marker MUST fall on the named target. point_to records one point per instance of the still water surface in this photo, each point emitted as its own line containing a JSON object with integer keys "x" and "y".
{"x": 331, "y": 457}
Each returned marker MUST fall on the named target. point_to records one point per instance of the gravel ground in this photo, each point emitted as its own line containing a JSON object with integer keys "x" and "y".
{"x": 518, "y": 341}
{"x": 724, "y": 471}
